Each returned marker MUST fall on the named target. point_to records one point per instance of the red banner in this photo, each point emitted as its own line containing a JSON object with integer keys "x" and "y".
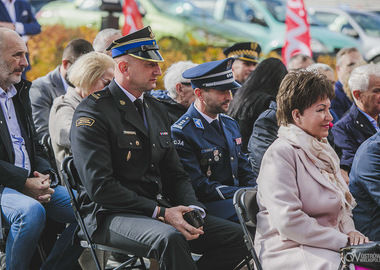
{"x": 297, "y": 36}
{"x": 133, "y": 19}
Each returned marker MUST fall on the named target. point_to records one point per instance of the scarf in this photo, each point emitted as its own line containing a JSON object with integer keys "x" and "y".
{"x": 323, "y": 157}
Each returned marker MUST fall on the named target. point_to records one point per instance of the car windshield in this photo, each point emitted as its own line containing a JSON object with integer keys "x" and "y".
{"x": 277, "y": 8}
{"x": 179, "y": 7}
{"x": 368, "y": 22}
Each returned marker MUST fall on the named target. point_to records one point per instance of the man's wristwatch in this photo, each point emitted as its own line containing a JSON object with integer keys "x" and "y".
{"x": 161, "y": 214}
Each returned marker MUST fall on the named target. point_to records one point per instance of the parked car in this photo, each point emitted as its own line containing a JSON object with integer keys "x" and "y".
{"x": 363, "y": 26}
{"x": 175, "y": 19}
{"x": 264, "y": 22}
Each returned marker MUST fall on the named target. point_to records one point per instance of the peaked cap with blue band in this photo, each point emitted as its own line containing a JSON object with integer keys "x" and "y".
{"x": 140, "y": 44}
{"x": 246, "y": 51}
{"x": 216, "y": 75}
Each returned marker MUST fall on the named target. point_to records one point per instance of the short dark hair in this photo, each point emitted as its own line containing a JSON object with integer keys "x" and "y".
{"x": 76, "y": 48}
{"x": 299, "y": 90}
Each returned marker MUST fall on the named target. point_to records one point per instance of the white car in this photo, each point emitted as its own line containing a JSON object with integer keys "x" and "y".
{"x": 363, "y": 26}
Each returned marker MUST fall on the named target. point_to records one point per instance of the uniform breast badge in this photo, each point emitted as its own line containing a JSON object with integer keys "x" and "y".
{"x": 129, "y": 155}
{"x": 208, "y": 173}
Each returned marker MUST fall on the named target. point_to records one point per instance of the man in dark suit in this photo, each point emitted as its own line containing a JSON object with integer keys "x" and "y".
{"x": 18, "y": 16}
{"x": 54, "y": 84}
{"x": 27, "y": 194}
{"x": 135, "y": 191}
{"x": 362, "y": 120}
{"x": 209, "y": 142}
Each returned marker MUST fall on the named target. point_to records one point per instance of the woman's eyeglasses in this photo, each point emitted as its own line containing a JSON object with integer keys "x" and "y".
{"x": 105, "y": 82}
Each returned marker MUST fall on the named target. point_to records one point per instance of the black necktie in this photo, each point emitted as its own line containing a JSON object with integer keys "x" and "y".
{"x": 215, "y": 124}
{"x": 139, "y": 105}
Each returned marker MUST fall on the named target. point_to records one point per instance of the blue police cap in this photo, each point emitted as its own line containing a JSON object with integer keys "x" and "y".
{"x": 140, "y": 44}
{"x": 216, "y": 74}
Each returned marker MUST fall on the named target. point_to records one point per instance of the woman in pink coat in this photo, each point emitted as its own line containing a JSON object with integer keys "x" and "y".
{"x": 305, "y": 205}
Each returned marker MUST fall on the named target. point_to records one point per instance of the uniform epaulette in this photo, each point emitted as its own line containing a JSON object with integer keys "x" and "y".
{"x": 226, "y": 116}
{"x": 180, "y": 124}
{"x": 151, "y": 96}
{"x": 99, "y": 95}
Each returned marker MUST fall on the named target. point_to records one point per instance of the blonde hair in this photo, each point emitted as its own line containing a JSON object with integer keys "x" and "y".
{"x": 88, "y": 69}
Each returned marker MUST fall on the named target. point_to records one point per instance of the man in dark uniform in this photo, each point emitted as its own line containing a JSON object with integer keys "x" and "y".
{"x": 246, "y": 55}
{"x": 209, "y": 142}
{"x": 128, "y": 165}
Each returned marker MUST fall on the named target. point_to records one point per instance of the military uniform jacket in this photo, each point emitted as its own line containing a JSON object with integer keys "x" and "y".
{"x": 122, "y": 165}
{"x": 216, "y": 166}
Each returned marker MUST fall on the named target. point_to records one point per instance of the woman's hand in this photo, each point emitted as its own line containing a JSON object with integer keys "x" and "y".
{"x": 356, "y": 238}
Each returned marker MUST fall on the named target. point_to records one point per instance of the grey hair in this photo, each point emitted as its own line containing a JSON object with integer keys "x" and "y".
{"x": 359, "y": 78}
{"x": 101, "y": 41}
{"x": 173, "y": 75}
{"x": 317, "y": 66}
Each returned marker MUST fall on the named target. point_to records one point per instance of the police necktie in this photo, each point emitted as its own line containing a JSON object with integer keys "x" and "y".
{"x": 139, "y": 105}
{"x": 216, "y": 126}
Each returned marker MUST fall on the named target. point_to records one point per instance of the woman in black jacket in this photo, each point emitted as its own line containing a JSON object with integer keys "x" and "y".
{"x": 256, "y": 94}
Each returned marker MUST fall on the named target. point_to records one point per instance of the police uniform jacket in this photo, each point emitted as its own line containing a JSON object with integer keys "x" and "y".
{"x": 216, "y": 165}
{"x": 11, "y": 175}
{"x": 123, "y": 165}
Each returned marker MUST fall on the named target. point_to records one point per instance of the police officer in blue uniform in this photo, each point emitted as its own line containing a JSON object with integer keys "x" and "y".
{"x": 209, "y": 142}
{"x": 128, "y": 165}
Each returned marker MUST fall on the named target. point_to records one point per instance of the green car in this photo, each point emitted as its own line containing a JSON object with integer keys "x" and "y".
{"x": 264, "y": 22}
{"x": 178, "y": 20}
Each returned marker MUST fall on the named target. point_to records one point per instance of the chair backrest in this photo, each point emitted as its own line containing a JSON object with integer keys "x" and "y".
{"x": 246, "y": 209}
{"x": 72, "y": 180}
{"x": 245, "y": 199}
{"x": 48, "y": 148}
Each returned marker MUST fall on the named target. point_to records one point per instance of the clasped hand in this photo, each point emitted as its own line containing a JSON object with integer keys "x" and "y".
{"x": 356, "y": 238}
{"x": 174, "y": 217}
{"x": 38, "y": 187}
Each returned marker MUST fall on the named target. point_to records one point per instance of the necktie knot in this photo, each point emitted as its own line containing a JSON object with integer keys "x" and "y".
{"x": 216, "y": 126}
{"x": 139, "y": 105}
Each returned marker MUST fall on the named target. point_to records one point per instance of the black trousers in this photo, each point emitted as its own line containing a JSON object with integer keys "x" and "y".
{"x": 222, "y": 245}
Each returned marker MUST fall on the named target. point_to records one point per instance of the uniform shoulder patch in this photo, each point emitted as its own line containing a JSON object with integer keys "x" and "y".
{"x": 181, "y": 123}
{"x": 85, "y": 121}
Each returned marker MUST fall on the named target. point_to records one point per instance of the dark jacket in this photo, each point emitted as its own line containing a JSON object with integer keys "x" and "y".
{"x": 349, "y": 133}
{"x": 174, "y": 109}
{"x": 341, "y": 103}
{"x": 248, "y": 113}
{"x": 217, "y": 168}
{"x": 365, "y": 187}
{"x": 11, "y": 175}
{"x": 264, "y": 133}
{"x": 122, "y": 165}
